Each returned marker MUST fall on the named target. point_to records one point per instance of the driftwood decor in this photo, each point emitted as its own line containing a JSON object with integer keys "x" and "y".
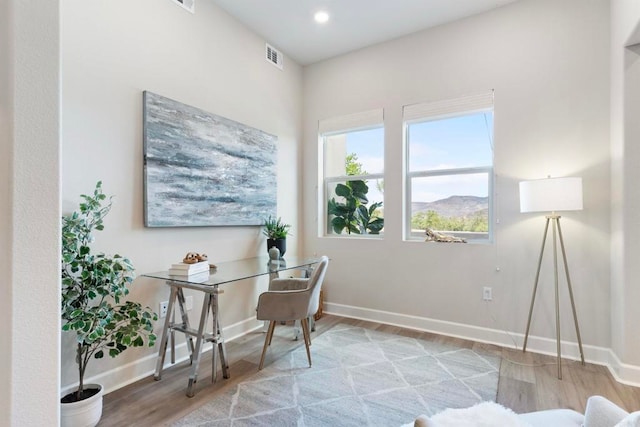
{"x": 434, "y": 236}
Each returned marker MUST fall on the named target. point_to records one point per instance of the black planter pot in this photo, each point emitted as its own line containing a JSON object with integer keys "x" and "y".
{"x": 281, "y": 244}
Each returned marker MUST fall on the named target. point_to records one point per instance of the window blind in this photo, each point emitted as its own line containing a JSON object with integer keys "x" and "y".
{"x": 470, "y": 103}
{"x": 351, "y": 121}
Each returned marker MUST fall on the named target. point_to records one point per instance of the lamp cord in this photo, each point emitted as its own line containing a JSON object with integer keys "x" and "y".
{"x": 496, "y": 220}
{"x": 515, "y": 345}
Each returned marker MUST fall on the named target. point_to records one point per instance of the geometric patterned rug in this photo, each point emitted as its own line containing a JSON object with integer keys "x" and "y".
{"x": 360, "y": 377}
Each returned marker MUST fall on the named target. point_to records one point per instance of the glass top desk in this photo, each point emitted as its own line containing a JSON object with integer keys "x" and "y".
{"x": 224, "y": 273}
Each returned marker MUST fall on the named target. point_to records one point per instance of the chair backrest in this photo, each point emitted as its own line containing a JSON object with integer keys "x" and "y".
{"x": 315, "y": 284}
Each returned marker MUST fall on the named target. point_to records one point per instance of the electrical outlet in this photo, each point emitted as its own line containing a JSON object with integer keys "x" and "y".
{"x": 164, "y": 305}
{"x": 487, "y": 293}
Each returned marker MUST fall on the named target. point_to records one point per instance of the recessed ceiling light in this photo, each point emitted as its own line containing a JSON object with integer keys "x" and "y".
{"x": 321, "y": 17}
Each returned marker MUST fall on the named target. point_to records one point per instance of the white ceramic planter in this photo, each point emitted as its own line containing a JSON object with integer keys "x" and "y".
{"x": 85, "y": 413}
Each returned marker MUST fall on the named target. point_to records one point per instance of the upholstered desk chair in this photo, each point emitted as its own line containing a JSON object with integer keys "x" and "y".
{"x": 292, "y": 299}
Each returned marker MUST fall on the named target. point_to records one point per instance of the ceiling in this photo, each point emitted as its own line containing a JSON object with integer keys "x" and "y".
{"x": 289, "y": 26}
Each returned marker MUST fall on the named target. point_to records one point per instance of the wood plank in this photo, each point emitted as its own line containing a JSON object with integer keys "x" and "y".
{"x": 517, "y": 365}
{"x": 527, "y": 381}
{"x": 517, "y": 395}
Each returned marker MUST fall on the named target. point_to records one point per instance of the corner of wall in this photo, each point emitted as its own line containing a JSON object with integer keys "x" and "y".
{"x": 34, "y": 221}
{"x": 6, "y": 141}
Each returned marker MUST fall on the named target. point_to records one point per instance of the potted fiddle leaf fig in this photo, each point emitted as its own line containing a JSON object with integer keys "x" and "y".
{"x": 93, "y": 308}
{"x": 276, "y": 231}
{"x": 353, "y": 214}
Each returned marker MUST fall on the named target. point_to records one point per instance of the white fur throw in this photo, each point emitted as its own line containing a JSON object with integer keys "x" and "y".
{"x": 485, "y": 414}
{"x": 631, "y": 420}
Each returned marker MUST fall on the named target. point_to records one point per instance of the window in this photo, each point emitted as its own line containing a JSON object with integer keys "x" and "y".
{"x": 351, "y": 200}
{"x": 449, "y": 168}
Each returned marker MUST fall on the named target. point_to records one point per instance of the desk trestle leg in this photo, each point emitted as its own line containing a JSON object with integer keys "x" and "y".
{"x": 193, "y": 376}
{"x": 223, "y": 354}
{"x": 165, "y": 336}
{"x": 217, "y": 339}
{"x": 209, "y": 304}
{"x": 185, "y": 321}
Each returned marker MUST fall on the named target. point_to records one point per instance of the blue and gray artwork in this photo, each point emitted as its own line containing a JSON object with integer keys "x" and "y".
{"x": 205, "y": 170}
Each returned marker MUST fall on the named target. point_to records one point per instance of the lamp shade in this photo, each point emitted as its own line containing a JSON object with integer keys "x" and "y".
{"x": 551, "y": 194}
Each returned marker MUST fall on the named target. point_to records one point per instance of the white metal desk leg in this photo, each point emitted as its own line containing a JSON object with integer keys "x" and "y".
{"x": 172, "y": 337}
{"x": 223, "y": 355}
{"x": 162, "y": 350}
{"x": 222, "y": 349}
{"x": 214, "y": 337}
{"x": 297, "y": 330}
{"x": 218, "y": 344}
{"x": 185, "y": 321}
{"x": 197, "y": 353}
{"x": 297, "y": 327}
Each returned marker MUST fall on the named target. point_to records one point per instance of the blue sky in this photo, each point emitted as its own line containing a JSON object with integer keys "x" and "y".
{"x": 369, "y": 146}
{"x": 464, "y": 141}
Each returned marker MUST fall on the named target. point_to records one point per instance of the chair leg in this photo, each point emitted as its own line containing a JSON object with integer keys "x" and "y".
{"x": 272, "y": 327}
{"x": 307, "y": 337}
{"x": 267, "y": 342}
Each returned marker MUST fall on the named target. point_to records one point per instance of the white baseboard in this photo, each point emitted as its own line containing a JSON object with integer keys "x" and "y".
{"x": 142, "y": 368}
{"x": 623, "y": 373}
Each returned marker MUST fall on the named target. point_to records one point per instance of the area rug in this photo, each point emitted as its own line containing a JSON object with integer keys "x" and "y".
{"x": 360, "y": 377}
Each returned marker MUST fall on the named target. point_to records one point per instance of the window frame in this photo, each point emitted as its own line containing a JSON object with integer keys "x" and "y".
{"x": 368, "y": 120}
{"x": 442, "y": 110}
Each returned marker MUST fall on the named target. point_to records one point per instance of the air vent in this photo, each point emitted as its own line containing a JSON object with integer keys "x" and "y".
{"x": 190, "y": 5}
{"x": 274, "y": 56}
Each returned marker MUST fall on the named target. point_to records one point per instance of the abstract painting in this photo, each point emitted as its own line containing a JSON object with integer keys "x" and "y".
{"x": 202, "y": 169}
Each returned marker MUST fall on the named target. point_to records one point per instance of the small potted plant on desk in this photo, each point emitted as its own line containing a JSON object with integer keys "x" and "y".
{"x": 93, "y": 286}
{"x": 276, "y": 232}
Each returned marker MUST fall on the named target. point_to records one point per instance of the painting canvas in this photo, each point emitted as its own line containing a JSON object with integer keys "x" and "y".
{"x": 202, "y": 169}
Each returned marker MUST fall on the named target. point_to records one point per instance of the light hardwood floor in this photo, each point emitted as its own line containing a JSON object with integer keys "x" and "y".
{"x": 527, "y": 382}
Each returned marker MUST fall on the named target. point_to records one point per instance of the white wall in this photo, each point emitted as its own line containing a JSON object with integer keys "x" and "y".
{"x": 6, "y": 143}
{"x": 548, "y": 63}
{"x": 114, "y": 50}
{"x": 625, "y": 131}
{"x": 553, "y": 54}
{"x": 29, "y": 212}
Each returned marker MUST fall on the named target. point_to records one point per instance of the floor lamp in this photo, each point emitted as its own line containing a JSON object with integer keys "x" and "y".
{"x": 553, "y": 195}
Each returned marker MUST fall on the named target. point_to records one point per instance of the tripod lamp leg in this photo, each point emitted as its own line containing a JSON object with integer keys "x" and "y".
{"x": 535, "y": 286}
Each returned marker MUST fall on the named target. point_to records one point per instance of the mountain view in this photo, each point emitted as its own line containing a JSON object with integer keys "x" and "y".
{"x": 455, "y": 213}
{"x": 454, "y": 206}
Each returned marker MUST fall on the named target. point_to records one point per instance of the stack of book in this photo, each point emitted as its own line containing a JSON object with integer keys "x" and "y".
{"x": 188, "y": 270}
